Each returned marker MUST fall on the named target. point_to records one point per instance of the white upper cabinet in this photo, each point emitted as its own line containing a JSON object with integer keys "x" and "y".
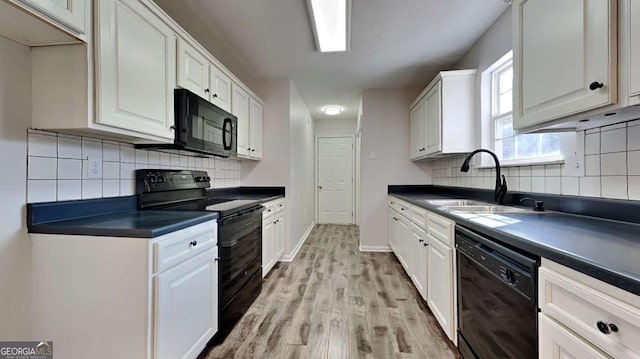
{"x": 193, "y": 69}
{"x": 197, "y": 74}
{"x": 249, "y": 113}
{"x": 240, "y": 108}
{"x": 416, "y": 139}
{"x": 255, "y": 128}
{"x": 442, "y": 117}
{"x": 220, "y": 88}
{"x": 565, "y": 59}
{"x": 45, "y": 22}
{"x": 69, "y": 14}
{"x": 634, "y": 66}
{"x": 433, "y": 122}
{"x": 135, "y": 94}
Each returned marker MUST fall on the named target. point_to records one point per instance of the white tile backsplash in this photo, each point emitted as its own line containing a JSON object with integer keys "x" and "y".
{"x": 57, "y": 167}
{"x": 42, "y": 168}
{"x": 41, "y": 190}
{"x": 69, "y": 169}
{"x": 43, "y": 145}
{"x": 613, "y": 140}
{"x": 606, "y": 164}
{"x": 69, "y": 189}
{"x": 69, "y": 147}
{"x": 613, "y": 164}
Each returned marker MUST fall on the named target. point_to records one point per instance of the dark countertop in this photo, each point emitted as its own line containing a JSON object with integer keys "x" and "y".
{"x": 137, "y": 224}
{"x": 112, "y": 217}
{"x": 605, "y": 249}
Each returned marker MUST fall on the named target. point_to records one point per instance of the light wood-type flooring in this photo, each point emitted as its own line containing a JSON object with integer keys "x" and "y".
{"x": 333, "y": 301}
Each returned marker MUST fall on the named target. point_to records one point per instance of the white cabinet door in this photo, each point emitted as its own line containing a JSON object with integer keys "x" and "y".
{"x": 419, "y": 251}
{"x": 193, "y": 70}
{"x": 136, "y": 68}
{"x": 563, "y": 52}
{"x": 634, "y": 66}
{"x": 433, "y": 119}
{"x": 416, "y": 140}
{"x": 240, "y": 108}
{"x": 186, "y": 300}
{"x": 279, "y": 236}
{"x": 220, "y": 88}
{"x": 268, "y": 259}
{"x": 255, "y": 128}
{"x": 391, "y": 231}
{"x": 556, "y": 342}
{"x": 404, "y": 238}
{"x": 440, "y": 284}
{"x": 68, "y": 13}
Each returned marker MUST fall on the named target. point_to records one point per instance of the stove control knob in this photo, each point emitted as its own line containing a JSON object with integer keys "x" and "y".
{"x": 153, "y": 179}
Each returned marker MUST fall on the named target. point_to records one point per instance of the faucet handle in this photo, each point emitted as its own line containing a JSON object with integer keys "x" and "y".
{"x": 538, "y": 205}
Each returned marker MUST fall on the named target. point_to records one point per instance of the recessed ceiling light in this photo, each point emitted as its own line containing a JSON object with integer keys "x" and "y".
{"x": 332, "y": 110}
{"x": 331, "y": 24}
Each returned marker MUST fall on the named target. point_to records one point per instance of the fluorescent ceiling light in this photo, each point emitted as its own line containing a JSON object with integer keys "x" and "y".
{"x": 331, "y": 24}
{"x": 332, "y": 110}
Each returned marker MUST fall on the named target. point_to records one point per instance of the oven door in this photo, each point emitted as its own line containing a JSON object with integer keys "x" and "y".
{"x": 240, "y": 251}
{"x": 495, "y": 321}
{"x": 204, "y": 127}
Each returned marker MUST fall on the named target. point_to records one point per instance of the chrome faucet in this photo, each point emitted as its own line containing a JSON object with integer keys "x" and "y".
{"x": 501, "y": 182}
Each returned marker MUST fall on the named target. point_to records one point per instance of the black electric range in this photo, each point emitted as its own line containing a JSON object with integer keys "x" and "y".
{"x": 239, "y": 234}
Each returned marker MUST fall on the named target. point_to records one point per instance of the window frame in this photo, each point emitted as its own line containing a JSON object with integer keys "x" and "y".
{"x": 489, "y": 103}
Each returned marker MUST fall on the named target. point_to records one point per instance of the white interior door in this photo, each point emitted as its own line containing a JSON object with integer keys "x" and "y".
{"x": 335, "y": 180}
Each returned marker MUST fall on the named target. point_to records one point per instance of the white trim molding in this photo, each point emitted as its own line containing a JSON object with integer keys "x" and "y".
{"x": 384, "y": 249}
{"x": 290, "y": 257}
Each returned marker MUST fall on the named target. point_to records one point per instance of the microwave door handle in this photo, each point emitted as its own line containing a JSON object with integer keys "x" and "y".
{"x": 227, "y": 121}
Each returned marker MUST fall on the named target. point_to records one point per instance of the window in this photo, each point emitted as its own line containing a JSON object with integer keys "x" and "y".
{"x": 509, "y": 147}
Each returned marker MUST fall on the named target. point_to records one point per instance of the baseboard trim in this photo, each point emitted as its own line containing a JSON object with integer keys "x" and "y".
{"x": 292, "y": 256}
{"x": 374, "y": 248}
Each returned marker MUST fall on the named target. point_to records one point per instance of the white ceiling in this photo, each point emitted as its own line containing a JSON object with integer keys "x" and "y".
{"x": 394, "y": 43}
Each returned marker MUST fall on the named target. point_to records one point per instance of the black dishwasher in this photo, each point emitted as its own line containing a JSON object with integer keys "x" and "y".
{"x": 497, "y": 299}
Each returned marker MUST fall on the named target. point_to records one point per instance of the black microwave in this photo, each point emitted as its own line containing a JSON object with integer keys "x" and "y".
{"x": 201, "y": 127}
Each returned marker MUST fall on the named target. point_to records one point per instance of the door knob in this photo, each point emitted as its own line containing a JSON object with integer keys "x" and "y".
{"x": 595, "y": 85}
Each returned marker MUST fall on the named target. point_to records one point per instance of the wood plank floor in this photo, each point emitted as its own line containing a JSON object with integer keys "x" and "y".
{"x": 333, "y": 301}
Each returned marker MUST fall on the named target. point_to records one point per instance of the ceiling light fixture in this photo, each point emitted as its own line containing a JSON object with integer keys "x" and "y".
{"x": 331, "y": 20}
{"x": 332, "y": 110}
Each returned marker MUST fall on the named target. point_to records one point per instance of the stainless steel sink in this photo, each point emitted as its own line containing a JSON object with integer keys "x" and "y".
{"x": 454, "y": 202}
{"x": 487, "y": 209}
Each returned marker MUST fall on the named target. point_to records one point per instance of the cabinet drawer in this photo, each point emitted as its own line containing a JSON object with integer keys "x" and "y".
{"x": 279, "y": 205}
{"x": 401, "y": 207}
{"x": 179, "y": 246}
{"x": 583, "y": 308}
{"x": 419, "y": 217}
{"x": 269, "y": 210}
{"x": 441, "y": 228}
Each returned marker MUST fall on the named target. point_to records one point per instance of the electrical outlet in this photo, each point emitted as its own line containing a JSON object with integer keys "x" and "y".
{"x": 94, "y": 167}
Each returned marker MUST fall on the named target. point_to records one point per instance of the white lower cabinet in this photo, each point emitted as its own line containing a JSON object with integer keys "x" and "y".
{"x": 420, "y": 253}
{"x": 150, "y": 298}
{"x": 423, "y": 243}
{"x": 440, "y": 289}
{"x": 556, "y": 342}
{"x": 186, "y": 299}
{"x": 273, "y": 234}
{"x": 580, "y": 313}
{"x": 268, "y": 258}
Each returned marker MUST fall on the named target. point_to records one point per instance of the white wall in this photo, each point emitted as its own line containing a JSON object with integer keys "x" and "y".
{"x": 385, "y": 159}
{"x": 301, "y": 194}
{"x": 15, "y": 246}
{"x": 273, "y": 169}
{"x": 335, "y": 127}
{"x": 288, "y": 155}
